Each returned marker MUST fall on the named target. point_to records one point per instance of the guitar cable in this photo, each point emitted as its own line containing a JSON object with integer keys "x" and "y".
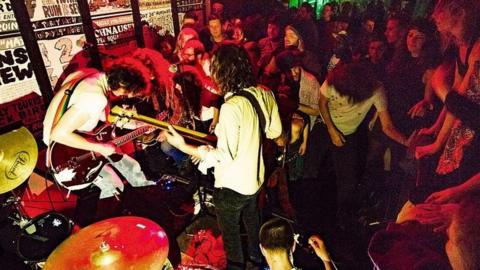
{"x": 45, "y": 178}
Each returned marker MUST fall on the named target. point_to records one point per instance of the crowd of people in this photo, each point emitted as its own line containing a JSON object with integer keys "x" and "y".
{"x": 294, "y": 99}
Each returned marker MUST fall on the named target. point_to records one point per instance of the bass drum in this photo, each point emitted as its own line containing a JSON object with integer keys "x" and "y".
{"x": 38, "y": 238}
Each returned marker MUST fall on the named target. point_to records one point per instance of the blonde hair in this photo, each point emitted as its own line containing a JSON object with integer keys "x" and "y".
{"x": 453, "y": 8}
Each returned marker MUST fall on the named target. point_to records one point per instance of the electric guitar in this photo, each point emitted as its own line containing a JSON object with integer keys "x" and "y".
{"x": 120, "y": 114}
{"x": 74, "y": 168}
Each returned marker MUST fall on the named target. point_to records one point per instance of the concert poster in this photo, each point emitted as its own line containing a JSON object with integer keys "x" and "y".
{"x": 183, "y": 6}
{"x": 113, "y": 25}
{"x": 57, "y": 25}
{"x": 158, "y": 13}
{"x": 20, "y": 97}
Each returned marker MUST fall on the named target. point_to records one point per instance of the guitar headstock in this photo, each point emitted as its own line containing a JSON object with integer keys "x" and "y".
{"x": 119, "y": 114}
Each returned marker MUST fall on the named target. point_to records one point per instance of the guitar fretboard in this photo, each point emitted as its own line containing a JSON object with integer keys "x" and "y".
{"x": 130, "y": 136}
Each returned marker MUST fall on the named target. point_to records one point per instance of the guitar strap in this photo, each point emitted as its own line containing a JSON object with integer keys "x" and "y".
{"x": 63, "y": 105}
{"x": 261, "y": 120}
{"x": 61, "y": 109}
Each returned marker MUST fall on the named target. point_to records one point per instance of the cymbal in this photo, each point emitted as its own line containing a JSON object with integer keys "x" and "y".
{"x": 18, "y": 157}
{"x": 117, "y": 243}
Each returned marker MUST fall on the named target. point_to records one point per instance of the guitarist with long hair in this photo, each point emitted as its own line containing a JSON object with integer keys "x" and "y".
{"x": 237, "y": 158}
{"x": 77, "y": 108}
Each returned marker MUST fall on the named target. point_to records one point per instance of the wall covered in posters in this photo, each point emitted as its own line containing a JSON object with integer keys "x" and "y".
{"x": 58, "y": 29}
{"x": 158, "y": 13}
{"x": 113, "y": 24}
{"x": 183, "y": 6}
{"x": 20, "y": 97}
{"x": 58, "y": 41}
{"x": 16, "y": 74}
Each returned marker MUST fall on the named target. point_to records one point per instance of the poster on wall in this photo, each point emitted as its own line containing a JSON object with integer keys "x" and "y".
{"x": 20, "y": 97}
{"x": 113, "y": 25}
{"x": 57, "y": 25}
{"x": 158, "y": 14}
{"x": 184, "y": 6}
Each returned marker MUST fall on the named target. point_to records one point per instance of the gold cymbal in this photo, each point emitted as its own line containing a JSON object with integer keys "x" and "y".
{"x": 18, "y": 157}
{"x": 117, "y": 243}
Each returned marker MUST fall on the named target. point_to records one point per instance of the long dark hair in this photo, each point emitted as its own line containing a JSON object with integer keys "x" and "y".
{"x": 355, "y": 80}
{"x": 430, "y": 55}
{"x": 231, "y": 69}
{"x": 191, "y": 89}
{"x": 158, "y": 67}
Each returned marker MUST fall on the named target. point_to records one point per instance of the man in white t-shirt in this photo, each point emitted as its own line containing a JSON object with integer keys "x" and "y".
{"x": 345, "y": 99}
{"x": 90, "y": 91}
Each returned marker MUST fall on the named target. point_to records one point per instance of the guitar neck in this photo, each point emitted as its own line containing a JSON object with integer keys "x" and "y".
{"x": 191, "y": 134}
{"x": 130, "y": 136}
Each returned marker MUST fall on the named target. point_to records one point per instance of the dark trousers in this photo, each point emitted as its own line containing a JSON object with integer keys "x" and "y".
{"x": 231, "y": 207}
{"x": 318, "y": 152}
{"x": 349, "y": 163}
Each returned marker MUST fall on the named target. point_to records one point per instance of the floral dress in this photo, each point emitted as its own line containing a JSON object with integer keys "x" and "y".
{"x": 461, "y": 136}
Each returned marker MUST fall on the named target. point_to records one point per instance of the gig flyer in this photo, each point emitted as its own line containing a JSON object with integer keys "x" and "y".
{"x": 16, "y": 74}
{"x": 158, "y": 13}
{"x": 113, "y": 25}
{"x": 57, "y": 25}
{"x": 20, "y": 97}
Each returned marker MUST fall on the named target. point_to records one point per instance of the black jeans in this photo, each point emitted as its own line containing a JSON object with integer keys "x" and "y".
{"x": 349, "y": 163}
{"x": 231, "y": 207}
{"x": 317, "y": 157}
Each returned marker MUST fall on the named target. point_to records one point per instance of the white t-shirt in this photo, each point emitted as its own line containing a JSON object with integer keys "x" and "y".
{"x": 346, "y": 115}
{"x": 89, "y": 96}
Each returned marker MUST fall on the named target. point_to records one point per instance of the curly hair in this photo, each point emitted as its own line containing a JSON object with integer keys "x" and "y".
{"x": 231, "y": 68}
{"x": 129, "y": 73}
{"x": 355, "y": 80}
{"x": 191, "y": 89}
{"x": 158, "y": 67}
{"x": 451, "y": 9}
{"x": 276, "y": 235}
{"x": 289, "y": 58}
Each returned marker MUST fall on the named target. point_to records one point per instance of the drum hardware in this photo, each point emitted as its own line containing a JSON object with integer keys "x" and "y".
{"x": 104, "y": 256}
{"x": 19, "y": 218}
{"x": 203, "y": 203}
{"x": 33, "y": 239}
